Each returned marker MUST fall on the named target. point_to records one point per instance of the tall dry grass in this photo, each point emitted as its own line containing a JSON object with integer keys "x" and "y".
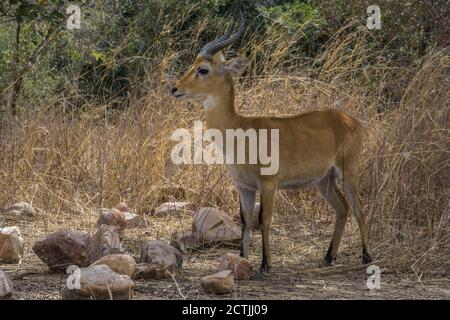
{"x": 69, "y": 163}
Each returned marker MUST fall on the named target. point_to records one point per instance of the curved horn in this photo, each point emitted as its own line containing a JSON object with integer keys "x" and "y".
{"x": 209, "y": 49}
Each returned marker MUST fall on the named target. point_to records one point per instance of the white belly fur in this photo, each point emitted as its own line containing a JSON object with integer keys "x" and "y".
{"x": 248, "y": 181}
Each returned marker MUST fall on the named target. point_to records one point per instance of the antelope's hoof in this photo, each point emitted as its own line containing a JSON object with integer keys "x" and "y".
{"x": 263, "y": 271}
{"x": 261, "y": 275}
{"x": 329, "y": 261}
{"x": 366, "y": 259}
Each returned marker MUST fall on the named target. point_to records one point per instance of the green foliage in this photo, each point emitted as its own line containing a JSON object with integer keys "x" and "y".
{"x": 296, "y": 17}
{"x": 122, "y": 42}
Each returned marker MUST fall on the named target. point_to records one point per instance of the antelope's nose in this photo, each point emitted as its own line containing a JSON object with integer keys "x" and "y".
{"x": 174, "y": 89}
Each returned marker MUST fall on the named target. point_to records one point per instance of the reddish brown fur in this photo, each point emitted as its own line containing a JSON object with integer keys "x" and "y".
{"x": 315, "y": 148}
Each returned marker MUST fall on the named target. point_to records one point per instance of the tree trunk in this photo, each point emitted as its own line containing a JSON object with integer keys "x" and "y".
{"x": 15, "y": 91}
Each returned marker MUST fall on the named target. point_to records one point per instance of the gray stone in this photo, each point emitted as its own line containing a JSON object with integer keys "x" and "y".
{"x": 216, "y": 227}
{"x": 63, "y": 248}
{"x": 6, "y": 287}
{"x": 107, "y": 241}
{"x": 98, "y": 282}
{"x": 134, "y": 220}
{"x": 241, "y": 267}
{"x": 119, "y": 263}
{"x": 20, "y": 210}
{"x": 186, "y": 240}
{"x": 122, "y": 206}
{"x": 162, "y": 254}
{"x": 114, "y": 218}
{"x": 11, "y": 245}
{"x": 153, "y": 271}
{"x": 174, "y": 208}
{"x": 219, "y": 283}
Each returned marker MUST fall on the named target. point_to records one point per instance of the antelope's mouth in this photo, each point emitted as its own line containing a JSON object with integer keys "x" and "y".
{"x": 179, "y": 94}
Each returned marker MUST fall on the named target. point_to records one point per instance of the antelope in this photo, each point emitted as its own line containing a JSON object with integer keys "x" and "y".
{"x": 315, "y": 148}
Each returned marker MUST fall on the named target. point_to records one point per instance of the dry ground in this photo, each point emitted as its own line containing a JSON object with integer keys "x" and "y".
{"x": 297, "y": 271}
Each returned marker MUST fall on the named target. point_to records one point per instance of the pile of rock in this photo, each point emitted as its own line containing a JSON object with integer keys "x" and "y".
{"x": 11, "y": 242}
{"x": 105, "y": 271}
{"x": 63, "y": 248}
{"x": 98, "y": 266}
{"x": 107, "y": 278}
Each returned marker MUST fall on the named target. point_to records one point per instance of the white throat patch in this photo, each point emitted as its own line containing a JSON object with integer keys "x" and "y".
{"x": 209, "y": 102}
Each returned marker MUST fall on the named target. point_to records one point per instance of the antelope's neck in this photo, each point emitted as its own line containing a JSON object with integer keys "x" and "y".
{"x": 220, "y": 111}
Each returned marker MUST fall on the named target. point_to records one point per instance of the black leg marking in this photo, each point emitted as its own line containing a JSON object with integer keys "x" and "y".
{"x": 329, "y": 260}
{"x": 264, "y": 265}
{"x": 260, "y": 216}
{"x": 243, "y": 227}
{"x": 366, "y": 258}
{"x": 265, "y": 268}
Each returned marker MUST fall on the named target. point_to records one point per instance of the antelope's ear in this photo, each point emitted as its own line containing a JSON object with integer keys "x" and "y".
{"x": 237, "y": 65}
{"x": 219, "y": 57}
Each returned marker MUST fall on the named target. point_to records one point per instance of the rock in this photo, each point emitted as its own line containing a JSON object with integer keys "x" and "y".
{"x": 107, "y": 241}
{"x": 98, "y": 282}
{"x": 159, "y": 259}
{"x": 6, "y": 287}
{"x": 216, "y": 227}
{"x": 64, "y": 248}
{"x": 241, "y": 267}
{"x": 119, "y": 263}
{"x": 122, "y": 206}
{"x": 11, "y": 245}
{"x": 134, "y": 220}
{"x": 186, "y": 240}
{"x": 174, "y": 208}
{"x": 162, "y": 254}
{"x": 153, "y": 271}
{"x": 219, "y": 283}
{"x": 169, "y": 193}
{"x": 114, "y": 218}
{"x": 255, "y": 217}
{"x": 20, "y": 210}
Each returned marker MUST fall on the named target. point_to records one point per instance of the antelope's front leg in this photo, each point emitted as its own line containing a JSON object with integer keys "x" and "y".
{"x": 247, "y": 205}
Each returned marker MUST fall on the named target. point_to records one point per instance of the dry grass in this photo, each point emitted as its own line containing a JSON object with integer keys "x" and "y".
{"x": 69, "y": 164}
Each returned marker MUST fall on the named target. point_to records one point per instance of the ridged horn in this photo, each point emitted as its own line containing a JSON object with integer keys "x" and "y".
{"x": 211, "y": 48}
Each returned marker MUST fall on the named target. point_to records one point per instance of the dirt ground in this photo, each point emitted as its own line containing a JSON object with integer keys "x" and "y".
{"x": 297, "y": 272}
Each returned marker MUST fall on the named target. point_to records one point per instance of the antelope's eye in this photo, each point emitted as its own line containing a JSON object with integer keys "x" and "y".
{"x": 203, "y": 71}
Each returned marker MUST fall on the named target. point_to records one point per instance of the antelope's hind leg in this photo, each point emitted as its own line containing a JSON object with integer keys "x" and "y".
{"x": 247, "y": 205}
{"x": 330, "y": 191}
{"x": 351, "y": 191}
{"x": 265, "y": 218}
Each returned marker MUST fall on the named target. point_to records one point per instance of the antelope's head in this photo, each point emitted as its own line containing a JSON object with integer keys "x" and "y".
{"x": 210, "y": 71}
